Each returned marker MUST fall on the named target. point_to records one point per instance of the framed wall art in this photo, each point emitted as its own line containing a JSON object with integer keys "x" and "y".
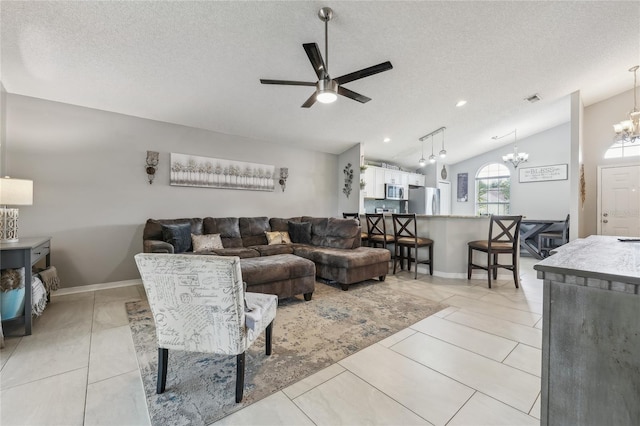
{"x": 463, "y": 187}
{"x": 192, "y": 170}
{"x": 544, "y": 173}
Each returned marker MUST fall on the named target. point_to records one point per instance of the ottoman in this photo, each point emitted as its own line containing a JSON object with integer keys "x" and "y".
{"x": 284, "y": 275}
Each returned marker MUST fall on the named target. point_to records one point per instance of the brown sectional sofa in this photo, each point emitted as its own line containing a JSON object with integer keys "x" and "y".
{"x": 334, "y": 252}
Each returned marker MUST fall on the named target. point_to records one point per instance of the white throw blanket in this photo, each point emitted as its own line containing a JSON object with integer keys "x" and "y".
{"x": 38, "y": 296}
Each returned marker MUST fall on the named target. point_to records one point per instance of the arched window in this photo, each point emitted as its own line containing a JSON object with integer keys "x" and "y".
{"x": 622, "y": 149}
{"x": 493, "y": 184}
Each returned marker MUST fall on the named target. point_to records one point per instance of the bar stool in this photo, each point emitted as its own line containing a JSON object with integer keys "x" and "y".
{"x": 547, "y": 241}
{"x": 504, "y": 235}
{"x": 405, "y": 231}
{"x": 364, "y": 236}
{"x": 377, "y": 230}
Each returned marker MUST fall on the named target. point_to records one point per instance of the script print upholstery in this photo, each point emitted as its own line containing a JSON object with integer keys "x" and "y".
{"x": 198, "y": 302}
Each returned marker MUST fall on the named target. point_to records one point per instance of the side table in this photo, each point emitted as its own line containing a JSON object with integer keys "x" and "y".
{"x": 24, "y": 254}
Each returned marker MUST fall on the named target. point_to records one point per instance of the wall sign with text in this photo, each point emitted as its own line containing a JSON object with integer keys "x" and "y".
{"x": 544, "y": 173}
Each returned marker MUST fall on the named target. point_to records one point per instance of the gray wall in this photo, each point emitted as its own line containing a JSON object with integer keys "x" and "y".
{"x": 91, "y": 192}
{"x": 350, "y": 204}
{"x": 598, "y": 136}
{"x": 539, "y": 200}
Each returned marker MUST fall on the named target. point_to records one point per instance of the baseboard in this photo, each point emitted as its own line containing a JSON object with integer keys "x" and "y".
{"x": 94, "y": 287}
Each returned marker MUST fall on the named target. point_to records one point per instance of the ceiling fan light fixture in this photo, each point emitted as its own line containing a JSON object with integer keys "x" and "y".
{"x": 327, "y": 91}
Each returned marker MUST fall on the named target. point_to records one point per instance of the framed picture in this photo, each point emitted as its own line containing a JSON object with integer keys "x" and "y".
{"x": 463, "y": 187}
{"x": 191, "y": 170}
{"x": 544, "y": 173}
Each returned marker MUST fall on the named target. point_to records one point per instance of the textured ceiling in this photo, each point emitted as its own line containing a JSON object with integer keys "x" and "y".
{"x": 199, "y": 63}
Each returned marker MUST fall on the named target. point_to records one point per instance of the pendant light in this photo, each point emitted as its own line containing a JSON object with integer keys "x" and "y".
{"x": 432, "y": 157}
{"x": 422, "y": 161}
{"x": 443, "y": 152}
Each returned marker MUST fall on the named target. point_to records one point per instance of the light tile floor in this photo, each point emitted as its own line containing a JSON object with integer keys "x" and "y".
{"x": 477, "y": 362}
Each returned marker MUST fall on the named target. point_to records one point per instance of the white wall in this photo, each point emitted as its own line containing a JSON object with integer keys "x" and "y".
{"x": 91, "y": 192}
{"x": 536, "y": 200}
{"x": 597, "y": 138}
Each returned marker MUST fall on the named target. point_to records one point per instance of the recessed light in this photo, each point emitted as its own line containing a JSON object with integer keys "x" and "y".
{"x": 386, "y": 140}
{"x": 461, "y": 103}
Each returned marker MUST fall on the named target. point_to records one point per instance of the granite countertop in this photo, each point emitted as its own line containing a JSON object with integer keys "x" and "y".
{"x": 597, "y": 256}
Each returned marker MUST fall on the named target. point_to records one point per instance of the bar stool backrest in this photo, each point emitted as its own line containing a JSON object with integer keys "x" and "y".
{"x": 355, "y": 216}
{"x": 405, "y": 226}
{"x": 504, "y": 229}
{"x": 375, "y": 224}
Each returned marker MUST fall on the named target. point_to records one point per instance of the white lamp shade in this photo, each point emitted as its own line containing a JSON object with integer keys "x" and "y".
{"x": 16, "y": 192}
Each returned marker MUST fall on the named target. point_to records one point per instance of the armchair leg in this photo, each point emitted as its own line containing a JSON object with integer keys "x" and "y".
{"x": 239, "y": 377}
{"x": 163, "y": 359}
{"x": 267, "y": 337}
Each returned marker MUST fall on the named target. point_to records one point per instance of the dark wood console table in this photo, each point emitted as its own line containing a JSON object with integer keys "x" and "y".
{"x": 24, "y": 254}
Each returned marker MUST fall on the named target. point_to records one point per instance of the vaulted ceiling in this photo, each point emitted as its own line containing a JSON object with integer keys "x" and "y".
{"x": 199, "y": 63}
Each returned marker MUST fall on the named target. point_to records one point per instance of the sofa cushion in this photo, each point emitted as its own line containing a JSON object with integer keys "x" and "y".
{"x": 242, "y": 252}
{"x": 343, "y": 258}
{"x": 275, "y": 268}
{"x": 270, "y": 250}
{"x": 227, "y": 227}
{"x": 178, "y": 235}
{"x": 278, "y": 237}
{"x": 207, "y": 242}
{"x": 334, "y": 232}
{"x": 281, "y": 224}
{"x": 153, "y": 227}
{"x": 252, "y": 230}
{"x": 300, "y": 232}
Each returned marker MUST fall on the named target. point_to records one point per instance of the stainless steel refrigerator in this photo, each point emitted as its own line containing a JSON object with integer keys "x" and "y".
{"x": 424, "y": 201}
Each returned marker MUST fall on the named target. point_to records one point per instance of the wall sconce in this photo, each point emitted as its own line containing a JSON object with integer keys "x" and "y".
{"x": 284, "y": 174}
{"x": 152, "y": 165}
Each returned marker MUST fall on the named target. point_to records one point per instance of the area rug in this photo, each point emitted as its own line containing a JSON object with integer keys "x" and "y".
{"x": 307, "y": 337}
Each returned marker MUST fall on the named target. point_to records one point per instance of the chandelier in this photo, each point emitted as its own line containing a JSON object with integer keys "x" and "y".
{"x": 514, "y": 157}
{"x": 628, "y": 131}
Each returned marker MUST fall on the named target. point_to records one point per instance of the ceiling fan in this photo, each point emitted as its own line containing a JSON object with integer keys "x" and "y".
{"x": 327, "y": 88}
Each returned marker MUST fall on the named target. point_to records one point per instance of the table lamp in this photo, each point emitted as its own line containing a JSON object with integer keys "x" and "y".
{"x": 13, "y": 192}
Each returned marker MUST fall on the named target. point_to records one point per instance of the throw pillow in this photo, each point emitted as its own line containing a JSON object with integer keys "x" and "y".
{"x": 178, "y": 235}
{"x": 300, "y": 232}
{"x": 278, "y": 237}
{"x": 207, "y": 242}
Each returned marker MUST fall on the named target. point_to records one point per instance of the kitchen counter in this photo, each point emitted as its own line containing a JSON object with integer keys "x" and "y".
{"x": 590, "y": 333}
{"x": 450, "y": 235}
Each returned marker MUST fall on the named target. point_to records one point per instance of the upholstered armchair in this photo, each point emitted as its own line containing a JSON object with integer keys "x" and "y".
{"x": 199, "y": 304}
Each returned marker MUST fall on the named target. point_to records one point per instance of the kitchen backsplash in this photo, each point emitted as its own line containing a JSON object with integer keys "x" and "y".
{"x": 370, "y": 206}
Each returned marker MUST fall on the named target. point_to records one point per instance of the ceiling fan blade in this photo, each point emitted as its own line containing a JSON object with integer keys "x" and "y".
{"x": 287, "y": 82}
{"x": 310, "y": 101}
{"x": 353, "y": 95}
{"x": 366, "y": 72}
{"x": 313, "y": 52}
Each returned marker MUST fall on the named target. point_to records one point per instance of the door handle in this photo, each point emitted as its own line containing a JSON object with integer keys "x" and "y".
{"x": 605, "y": 221}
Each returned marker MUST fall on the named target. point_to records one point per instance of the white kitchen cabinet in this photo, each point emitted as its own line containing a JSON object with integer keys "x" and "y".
{"x": 393, "y": 177}
{"x": 415, "y": 179}
{"x": 375, "y": 180}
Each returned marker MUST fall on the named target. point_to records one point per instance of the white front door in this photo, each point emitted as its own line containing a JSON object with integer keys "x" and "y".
{"x": 619, "y": 201}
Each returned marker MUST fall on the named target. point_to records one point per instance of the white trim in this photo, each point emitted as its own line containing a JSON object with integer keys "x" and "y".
{"x": 94, "y": 287}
